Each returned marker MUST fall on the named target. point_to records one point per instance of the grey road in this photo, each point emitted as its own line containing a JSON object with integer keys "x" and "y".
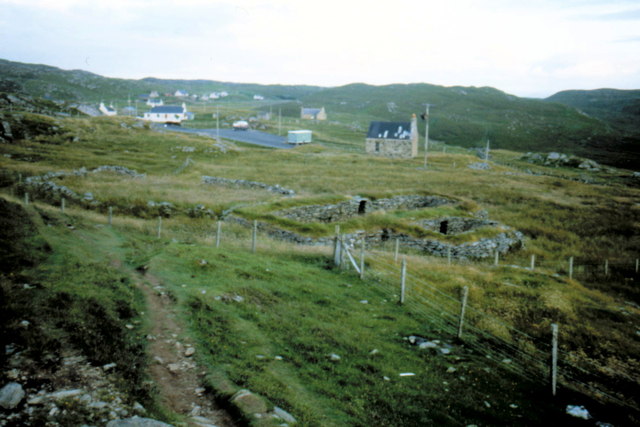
{"x": 248, "y": 136}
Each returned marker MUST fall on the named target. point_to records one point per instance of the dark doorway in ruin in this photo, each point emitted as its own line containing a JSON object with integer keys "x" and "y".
{"x": 362, "y": 207}
{"x": 386, "y": 235}
{"x": 444, "y": 227}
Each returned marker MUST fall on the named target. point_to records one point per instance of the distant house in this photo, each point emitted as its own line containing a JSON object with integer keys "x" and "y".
{"x": 180, "y": 93}
{"x": 313, "y": 113}
{"x": 154, "y": 94}
{"x": 107, "y": 111}
{"x": 167, "y": 114}
{"x": 155, "y": 102}
{"x": 258, "y": 97}
{"x": 393, "y": 139}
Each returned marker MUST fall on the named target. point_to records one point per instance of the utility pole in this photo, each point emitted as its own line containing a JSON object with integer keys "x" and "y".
{"x": 426, "y": 135}
{"x": 218, "y": 123}
{"x": 279, "y": 121}
{"x": 486, "y": 152}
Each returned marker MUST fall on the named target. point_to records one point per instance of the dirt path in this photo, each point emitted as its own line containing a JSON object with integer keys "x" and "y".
{"x": 173, "y": 368}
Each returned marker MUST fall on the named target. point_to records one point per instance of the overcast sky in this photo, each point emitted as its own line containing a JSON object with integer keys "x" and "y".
{"x": 527, "y": 48}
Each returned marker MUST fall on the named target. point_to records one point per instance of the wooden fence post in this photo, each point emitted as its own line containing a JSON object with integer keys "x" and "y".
{"x": 397, "y": 250}
{"x": 637, "y": 264}
{"x": 496, "y": 258}
{"x": 159, "y": 227}
{"x": 62, "y": 203}
{"x": 218, "y": 231}
{"x": 463, "y": 307}
{"x": 449, "y": 255}
{"x": 26, "y": 199}
{"x": 362, "y": 248}
{"x": 554, "y": 358}
{"x": 570, "y": 267}
{"x": 606, "y": 268}
{"x": 110, "y": 215}
{"x": 337, "y": 248}
{"x": 403, "y": 279}
{"x": 533, "y": 262}
{"x": 254, "y": 236}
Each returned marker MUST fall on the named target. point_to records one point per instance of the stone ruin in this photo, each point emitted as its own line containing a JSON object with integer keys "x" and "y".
{"x": 505, "y": 240}
{"x": 359, "y": 206}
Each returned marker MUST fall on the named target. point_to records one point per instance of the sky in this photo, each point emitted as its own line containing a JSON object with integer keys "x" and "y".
{"x": 531, "y": 48}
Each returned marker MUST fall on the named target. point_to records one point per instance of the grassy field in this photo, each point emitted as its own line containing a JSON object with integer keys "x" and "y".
{"x": 295, "y": 309}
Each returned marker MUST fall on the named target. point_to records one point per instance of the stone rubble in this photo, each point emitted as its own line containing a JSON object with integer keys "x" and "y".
{"x": 559, "y": 159}
{"x": 214, "y": 180}
{"x": 73, "y": 390}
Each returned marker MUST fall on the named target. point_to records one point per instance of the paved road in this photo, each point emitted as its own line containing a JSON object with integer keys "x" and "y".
{"x": 249, "y": 136}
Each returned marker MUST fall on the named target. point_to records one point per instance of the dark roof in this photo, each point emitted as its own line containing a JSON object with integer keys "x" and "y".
{"x": 389, "y": 130}
{"x": 312, "y": 111}
{"x": 167, "y": 109}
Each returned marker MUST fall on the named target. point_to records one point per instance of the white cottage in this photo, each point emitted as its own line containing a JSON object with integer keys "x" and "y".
{"x": 107, "y": 111}
{"x": 167, "y": 114}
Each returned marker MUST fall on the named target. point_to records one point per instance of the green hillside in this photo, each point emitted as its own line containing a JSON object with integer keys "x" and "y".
{"x": 468, "y": 116}
{"x": 280, "y": 319}
{"x": 81, "y": 86}
{"x": 620, "y": 108}
{"x": 461, "y": 116}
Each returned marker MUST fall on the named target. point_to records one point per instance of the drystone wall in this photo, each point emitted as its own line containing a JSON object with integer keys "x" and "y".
{"x": 43, "y": 185}
{"x": 504, "y": 242}
{"x": 214, "y": 180}
{"x": 359, "y": 206}
{"x": 455, "y": 225}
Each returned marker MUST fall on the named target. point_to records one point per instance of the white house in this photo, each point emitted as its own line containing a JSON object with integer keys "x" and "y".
{"x": 167, "y": 114}
{"x": 107, "y": 111}
{"x": 258, "y": 97}
{"x": 181, "y": 93}
{"x": 155, "y": 102}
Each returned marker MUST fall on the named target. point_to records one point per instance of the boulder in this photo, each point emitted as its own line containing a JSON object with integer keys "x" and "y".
{"x": 11, "y": 395}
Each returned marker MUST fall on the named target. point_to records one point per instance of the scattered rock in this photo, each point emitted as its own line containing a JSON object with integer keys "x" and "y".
{"x": 578, "y": 412}
{"x": 173, "y": 367}
{"x": 334, "y": 357}
{"x": 11, "y": 395}
{"x": 190, "y": 351}
{"x": 479, "y": 166}
{"x": 284, "y": 415}
{"x": 137, "y": 422}
{"x": 249, "y": 402}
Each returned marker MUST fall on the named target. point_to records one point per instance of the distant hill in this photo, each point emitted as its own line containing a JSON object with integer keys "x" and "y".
{"x": 605, "y": 130}
{"x": 620, "y": 108}
{"x": 468, "y": 116}
{"x": 76, "y": 85}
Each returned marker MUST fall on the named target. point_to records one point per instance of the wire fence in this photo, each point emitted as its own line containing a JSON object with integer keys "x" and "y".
{"x": 485, "y": 334}
{"x": 513, "y": 349}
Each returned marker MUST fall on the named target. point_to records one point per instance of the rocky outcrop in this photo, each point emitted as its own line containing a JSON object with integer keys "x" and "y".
{"x": 214, "y": 180}
{"x": 560, "y": 159}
